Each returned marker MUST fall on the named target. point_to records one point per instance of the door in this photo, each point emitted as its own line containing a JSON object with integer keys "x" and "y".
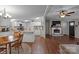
{"x": 71, "y": 28}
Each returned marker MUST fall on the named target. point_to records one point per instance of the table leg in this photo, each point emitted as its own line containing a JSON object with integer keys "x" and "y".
{"x": 9, "y": 48}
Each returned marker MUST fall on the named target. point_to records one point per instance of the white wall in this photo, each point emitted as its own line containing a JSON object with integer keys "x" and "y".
{"x": 43, "y": 24}
{"x": 77, "y": 29}
{"x": 65, "y": 27}
{"x": 47, "y": 26}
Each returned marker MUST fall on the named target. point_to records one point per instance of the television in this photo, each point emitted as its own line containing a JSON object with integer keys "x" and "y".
{"x": 55, "y": 22}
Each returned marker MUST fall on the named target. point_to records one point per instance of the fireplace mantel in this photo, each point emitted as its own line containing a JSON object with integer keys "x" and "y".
{"x": 57, "y": 31}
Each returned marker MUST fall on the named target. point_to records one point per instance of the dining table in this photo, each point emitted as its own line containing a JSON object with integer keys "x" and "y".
{"x": 8, "y": 40}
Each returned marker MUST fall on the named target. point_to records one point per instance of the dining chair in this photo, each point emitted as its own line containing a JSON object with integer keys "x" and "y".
{"x": 16, "y": 34}
{"x": 3, "y": 45}
{"x": 18, "y": 43}
{"x": 3, "y": 49}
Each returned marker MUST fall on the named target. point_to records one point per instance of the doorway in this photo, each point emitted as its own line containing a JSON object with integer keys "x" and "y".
{"x": 71, "y": 28}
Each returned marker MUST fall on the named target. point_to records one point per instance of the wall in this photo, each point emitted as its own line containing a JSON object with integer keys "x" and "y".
{"x": 77, "y": 29}
{"x": 64, "y": 24}
{"x": 65, "y": 27}
{"x": 43, "y": 24}
{"x": 47, "y": 26}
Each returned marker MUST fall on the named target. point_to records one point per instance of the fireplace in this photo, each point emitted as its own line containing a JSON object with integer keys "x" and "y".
{"x": 56, "y": 31}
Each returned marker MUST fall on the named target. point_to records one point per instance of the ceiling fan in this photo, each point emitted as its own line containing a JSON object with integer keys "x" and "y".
{"x": 64, "y": 13}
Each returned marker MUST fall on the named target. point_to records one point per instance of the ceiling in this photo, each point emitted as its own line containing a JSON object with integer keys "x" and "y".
{"x": 24, "y": 11}
{"x": 52, "y": 11}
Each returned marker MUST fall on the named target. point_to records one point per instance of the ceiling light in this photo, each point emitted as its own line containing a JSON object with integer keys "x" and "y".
{"x": 26, "y": 20}
{"x": 12, "y": 20}
{"x": 37, "y": 17}
{"x": 62, "y": 16}
{"x": 7, "y": 15}
{"x": 0, "y": 14}
{"x": 4, "y": 14}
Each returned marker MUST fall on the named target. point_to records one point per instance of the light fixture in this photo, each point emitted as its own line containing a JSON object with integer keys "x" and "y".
{"x": 37, "y": 17}
{"x": 0, "y": 14}
{"x": 4, "y": 14}
{"x": 72, "y": 24}
{"x": 12, "y": 20}
{"x": 62, "y": 15}
{"x": 26, "y": 20}
{"x": 7, "y": 16}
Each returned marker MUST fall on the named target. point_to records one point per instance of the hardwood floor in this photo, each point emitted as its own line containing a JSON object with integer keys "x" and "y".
{"x": 50, "y": 45}
{"x": 39, "y": 47}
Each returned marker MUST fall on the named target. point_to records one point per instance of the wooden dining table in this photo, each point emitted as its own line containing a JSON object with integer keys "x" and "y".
{"x": 8, "y": 40}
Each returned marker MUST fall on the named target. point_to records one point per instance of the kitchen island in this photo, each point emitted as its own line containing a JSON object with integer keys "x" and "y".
{"x": 28, "y": 36}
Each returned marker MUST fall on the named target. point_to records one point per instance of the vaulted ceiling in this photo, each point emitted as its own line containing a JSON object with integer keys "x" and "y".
{"x": 52, "y": 11}
{"x": 24, "y": 11}
{"x": 32, "y": 11}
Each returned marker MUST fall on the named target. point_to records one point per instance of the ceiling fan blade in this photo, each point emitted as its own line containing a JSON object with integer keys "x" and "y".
{"x": 71, "y": 12}
{"x": 62, "y": 11}
{"x": 68, "y": 14}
